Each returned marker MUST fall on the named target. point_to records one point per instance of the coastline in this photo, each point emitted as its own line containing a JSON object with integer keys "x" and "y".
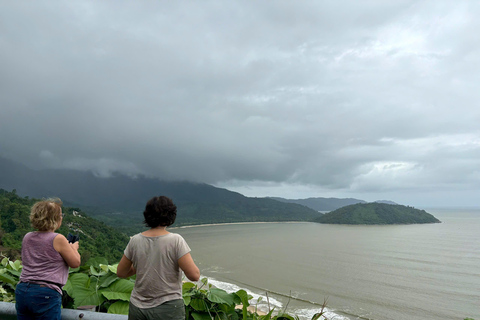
{"x": 261, "y": 302}
{"x": 280, "y": 258}
{"x": 234, "y": 223}
{"x": 263, "y": 298}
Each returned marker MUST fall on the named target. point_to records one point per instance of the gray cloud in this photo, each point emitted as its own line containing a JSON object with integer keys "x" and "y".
{"x": 368, "y": 99}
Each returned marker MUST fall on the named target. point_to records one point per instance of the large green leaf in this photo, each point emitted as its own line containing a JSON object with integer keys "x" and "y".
{"x": 73, "y": 270}
{"x": 201, "y": 316}
{"x": 220, "y": 296}
{"x": 243, "y": 295}
{"x": 226, "y": 308}
{"x": 120, "y": 290}
{"x": 187, "y": 286}
{"x": 113, "y": 268}
{"x": 17, "y": 265}
{"x": 198, "y": 304}
{"x": 83, "y": 289}
{"x": 74, "y": 280}
{"x": 6, "y": 278}
{"x": 220, "y": 316}
{"x": 96, "y": 262}
{"x": 119, "y": 307}
{"x": 107, "y": 280}
{"x": 68, "y": 287}
{"x": 14, "y": 272}
{"x": 93, "y": 271}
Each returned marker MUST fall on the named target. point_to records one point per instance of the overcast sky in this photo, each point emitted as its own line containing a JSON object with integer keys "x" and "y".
{"x": 366, "y": 99}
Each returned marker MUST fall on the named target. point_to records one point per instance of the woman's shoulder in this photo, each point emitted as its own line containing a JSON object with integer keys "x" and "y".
{"x": 175, "y": 235}
{"x": 177, "y": 238}
{"x": 41, "y": 234}
{"x": 136, "y": 236}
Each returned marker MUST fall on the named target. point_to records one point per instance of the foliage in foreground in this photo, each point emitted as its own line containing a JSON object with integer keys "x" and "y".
{"x": 96, "y": 284}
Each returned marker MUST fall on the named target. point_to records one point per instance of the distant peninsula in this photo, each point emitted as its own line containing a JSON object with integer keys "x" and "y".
{"x": 377, "y": 214}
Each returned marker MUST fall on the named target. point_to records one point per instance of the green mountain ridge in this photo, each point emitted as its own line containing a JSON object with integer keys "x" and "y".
{"x": 119, "y": 200}
{"x": 377, "y": 214}
{"x": 326, "y": 204}
{"x": 96, "y": 238}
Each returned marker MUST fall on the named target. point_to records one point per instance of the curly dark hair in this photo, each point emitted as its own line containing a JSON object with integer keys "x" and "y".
{"x": 159, "y": 211}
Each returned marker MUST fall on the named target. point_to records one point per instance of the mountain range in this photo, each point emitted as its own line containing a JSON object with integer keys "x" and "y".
{"x": 119, "y": 200}
{"x": 327, "y": 204}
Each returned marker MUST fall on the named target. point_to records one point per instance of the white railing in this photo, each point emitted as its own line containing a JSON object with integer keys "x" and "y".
{"x": 8, "y": 312}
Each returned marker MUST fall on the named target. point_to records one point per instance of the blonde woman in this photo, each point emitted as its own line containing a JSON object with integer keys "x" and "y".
{"x": 46, "y": 257}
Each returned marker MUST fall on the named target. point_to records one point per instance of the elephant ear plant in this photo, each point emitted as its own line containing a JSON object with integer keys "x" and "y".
{"x": 211, "y": 303}
{"x": 96, "y": 284}
{"x": 207, "y": 303}
{"x": 9, "y": 277}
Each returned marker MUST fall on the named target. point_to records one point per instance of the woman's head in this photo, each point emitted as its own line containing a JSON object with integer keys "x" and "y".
{"x": 46, "y": 215}
{"x": 160, "y": 211}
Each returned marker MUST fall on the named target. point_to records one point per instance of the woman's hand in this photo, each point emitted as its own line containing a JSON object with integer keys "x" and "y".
{"x": 75, "y": 245}
{"x": 68, "y": 251}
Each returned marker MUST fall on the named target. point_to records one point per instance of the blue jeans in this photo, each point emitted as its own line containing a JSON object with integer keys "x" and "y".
{"x": 34, "y": 301}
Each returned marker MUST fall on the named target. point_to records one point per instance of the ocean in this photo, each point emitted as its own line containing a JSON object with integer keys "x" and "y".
{"x": 396, "y": 272}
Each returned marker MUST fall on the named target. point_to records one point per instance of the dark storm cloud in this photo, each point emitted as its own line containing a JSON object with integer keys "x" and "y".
{"x": 342, "y": 98}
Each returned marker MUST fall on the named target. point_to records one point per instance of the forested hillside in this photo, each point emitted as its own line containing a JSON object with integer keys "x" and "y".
{"x": 119, "y": 200}
{"x": 96, "y": 238}
{"x": 377, "y": 213}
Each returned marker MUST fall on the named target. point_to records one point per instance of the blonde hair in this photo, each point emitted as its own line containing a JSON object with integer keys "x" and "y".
{"x": 45, "y": 215}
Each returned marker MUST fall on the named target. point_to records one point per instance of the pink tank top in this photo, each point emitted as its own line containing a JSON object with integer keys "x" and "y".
{"x": 41, "y": 262}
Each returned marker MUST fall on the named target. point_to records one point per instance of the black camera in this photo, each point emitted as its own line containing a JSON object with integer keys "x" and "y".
{"x": 72, "y": 238}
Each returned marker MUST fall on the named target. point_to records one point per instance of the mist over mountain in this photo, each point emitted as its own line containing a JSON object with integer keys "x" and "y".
{"x": 327, "y": 204}
{"x": 322, "y": 204}
{"x": 119, "y": 200}
{"x": 386, "y": 202}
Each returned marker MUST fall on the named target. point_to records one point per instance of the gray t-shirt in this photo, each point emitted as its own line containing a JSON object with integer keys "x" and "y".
{"x": 159, "y": 278}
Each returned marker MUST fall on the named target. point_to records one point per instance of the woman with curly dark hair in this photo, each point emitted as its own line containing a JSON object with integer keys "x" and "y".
{"x": 158, "y": 258}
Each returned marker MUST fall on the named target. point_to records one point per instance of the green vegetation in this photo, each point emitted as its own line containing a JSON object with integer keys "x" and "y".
{"x": 377, "y": 213}
{"x": 14, "y": 221}
{"x": 194, "y": 213}
{"x": 96, "y": 238}
{"x": 96, "y": 284}
{"x": 119, "y": 200}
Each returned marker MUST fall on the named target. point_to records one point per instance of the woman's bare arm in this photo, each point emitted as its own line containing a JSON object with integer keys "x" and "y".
{"x": 125, "y": 268}
{"x": 189, "y": 267}
{"x": 68, "y": 251}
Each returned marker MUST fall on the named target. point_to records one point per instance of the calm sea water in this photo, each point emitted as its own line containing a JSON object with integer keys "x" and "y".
{"x": 424, "y": 272}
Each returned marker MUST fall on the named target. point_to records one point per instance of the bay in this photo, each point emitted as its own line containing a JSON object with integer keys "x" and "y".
{"x": 396, "y": 272}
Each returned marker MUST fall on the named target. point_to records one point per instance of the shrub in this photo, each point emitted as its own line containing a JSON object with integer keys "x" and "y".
{"x": 96, "y": 284}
